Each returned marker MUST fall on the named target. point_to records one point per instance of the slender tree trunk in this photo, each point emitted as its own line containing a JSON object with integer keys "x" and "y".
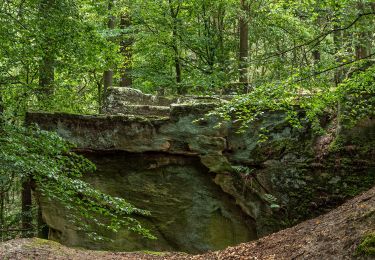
{"x": 244, "y": 44}
{"x": 316, "y": 53}
{"x": 338, "y": 74}
{"x": 100, "y": 96}
{"x": 316, "y": 56}
{"x": 107, "y": 81}
{"x": 177, "y": 57}
{"x": 220, "y": 33}
{"x": 337, "y": 39}
{"x": 108, "y": 75}
{"x": 126, "y": 50}
{"x": 1, "y": 110}
{"x": 26, "y": 209}
{"x": 47, "y": 63}
{"x": 1, "y": 104}
{"x": 363, "y": 46}
{"x": 177, "y": 61}
{"x": 2, "y": 211}
{"x": 46, "y": 74}
{"x": 2, "y": 188}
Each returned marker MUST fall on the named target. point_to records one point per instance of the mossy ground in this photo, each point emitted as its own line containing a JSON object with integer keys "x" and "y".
{"x": 155, "y": 253}
{"x": 367, "y": 245}
{"x": 37, "y": 243}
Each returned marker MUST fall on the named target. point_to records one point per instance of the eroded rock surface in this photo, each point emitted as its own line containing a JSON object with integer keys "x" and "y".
{"x": 189, "y": 212}
{"x": 289, "y": 178}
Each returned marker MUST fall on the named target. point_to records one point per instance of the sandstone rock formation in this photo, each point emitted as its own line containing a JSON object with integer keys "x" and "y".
{"x": 172, "y": 150}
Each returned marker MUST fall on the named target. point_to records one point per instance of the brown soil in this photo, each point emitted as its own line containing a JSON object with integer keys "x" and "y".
{"x": 335, "y": 235}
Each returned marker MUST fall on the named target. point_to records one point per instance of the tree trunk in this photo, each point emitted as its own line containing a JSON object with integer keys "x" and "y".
{"x": 2, "y": 212}
{"x": 107, "y": 81}
{"x": 126, "y": 50}
{"x": 244, "y": 44}
{"x": 46, "y": 74}
{"x": 363, "y": 46}
{"x": 316, "y": 56}
{"x": 108, "y": 75}
{"x": 100, "y": 96}
{"x": 177, "y": 61}
{"x": 1, "y": 105}
{"x": 1, "y": 110}
{"x": 220, "y": 27}
{"x": 47, "y": 63}
{"x": 26, "y": 209}
{"x": 337, "y": 39}
{"x": 177, "y": 57}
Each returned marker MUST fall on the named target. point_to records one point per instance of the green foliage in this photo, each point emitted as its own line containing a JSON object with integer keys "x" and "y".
{"x": 287, "y": 38}
{"x": 242, "y": 170}
{"x": 30, "y": 154}
{"x": 247, "y": 174}
{"x": 295, "y": 65}
{"x": 36, "y": 30}
{"x": 355, "y": 95}
{"x": 367, "y": 245}
{"x": 272, "y": 200}
{"x": 246, "y": 109}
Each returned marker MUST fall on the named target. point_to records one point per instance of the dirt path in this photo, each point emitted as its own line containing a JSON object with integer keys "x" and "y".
{"x": 335, "y": 235}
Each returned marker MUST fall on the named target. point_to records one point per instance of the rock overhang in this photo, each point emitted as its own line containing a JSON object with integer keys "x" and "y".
{"x": 284, "y": 166}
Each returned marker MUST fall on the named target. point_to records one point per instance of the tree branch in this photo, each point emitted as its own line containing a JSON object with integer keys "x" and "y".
{"x": 333, "y": 68}
{"x": 319, "y": 38}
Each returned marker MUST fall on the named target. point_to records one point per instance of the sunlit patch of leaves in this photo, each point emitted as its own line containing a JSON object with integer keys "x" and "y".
{"x": 355, "y": 99}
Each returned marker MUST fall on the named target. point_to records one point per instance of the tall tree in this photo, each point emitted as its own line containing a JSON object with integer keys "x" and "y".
{"x": 363, "y": 39}
{"x": 244, "y": 43}
{"x": 108, "y": 74}
{"x": 174, "y": 9}
{"x": 126, "y": 50}
{"x": 1, "y": 107}
{"x": 47, "y": 9}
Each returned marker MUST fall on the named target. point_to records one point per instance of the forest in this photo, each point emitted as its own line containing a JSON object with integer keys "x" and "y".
{"x": 312, "y": 61}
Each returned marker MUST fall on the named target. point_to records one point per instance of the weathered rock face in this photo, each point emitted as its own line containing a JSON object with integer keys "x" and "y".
{"x": 189, "y": 212}
{"x": 290, "y": 177}
{"x": 125, "y": 101}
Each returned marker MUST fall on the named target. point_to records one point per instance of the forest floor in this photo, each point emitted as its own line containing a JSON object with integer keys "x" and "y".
{"x": 335, "y": 235}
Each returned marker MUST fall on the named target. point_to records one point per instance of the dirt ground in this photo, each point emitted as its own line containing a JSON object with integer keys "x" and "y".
{"x": 335, "y": 235}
